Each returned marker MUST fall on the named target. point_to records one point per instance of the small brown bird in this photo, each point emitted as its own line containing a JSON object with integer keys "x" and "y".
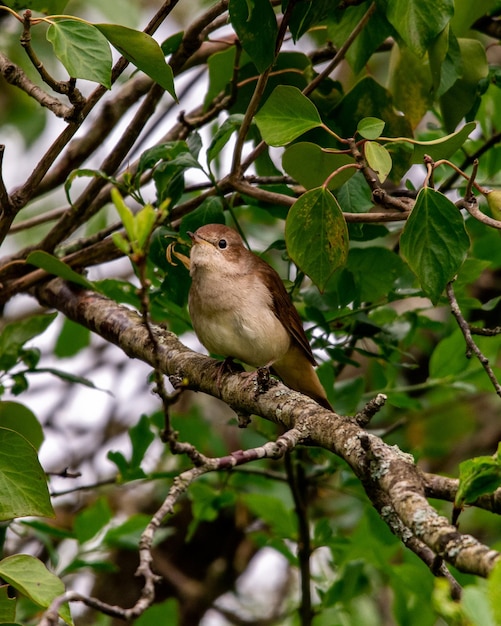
{"x": 240, "y": 309}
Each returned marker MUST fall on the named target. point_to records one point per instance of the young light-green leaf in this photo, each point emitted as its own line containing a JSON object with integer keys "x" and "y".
{"x": 370, "y": 127}
{"x": 82, "y": 49}
{"x": 286, "y": 115}
{"x": 316, "y": 235}
{"x": 256, "y": 26}
{"x": 143, "y": 51}
{"x": 125, "y": 214}
{"x": 434, "y": 241}
{"x": 22, "y": 480}
{"x": 30, "y": 576}
{"x": 378, "y": 159}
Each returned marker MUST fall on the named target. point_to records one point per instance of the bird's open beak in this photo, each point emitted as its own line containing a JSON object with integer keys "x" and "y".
{"x": 196, "y": 238}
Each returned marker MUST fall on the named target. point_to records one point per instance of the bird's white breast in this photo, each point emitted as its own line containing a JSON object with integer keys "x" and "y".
{"x": 232, "y": 314}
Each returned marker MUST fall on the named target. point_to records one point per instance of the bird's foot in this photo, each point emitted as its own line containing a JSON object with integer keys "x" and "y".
{"x": 261, "y": 379}
{"x": 228, "y": 366}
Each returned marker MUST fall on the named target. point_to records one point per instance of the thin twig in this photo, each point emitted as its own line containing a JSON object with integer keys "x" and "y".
{"x": 299, "y": 488}
{"x": 272, "y": 450}
{"x": 372, "y": 407}
{"x": 14, "y": 75}
{"x": 5, "y": 204}
{"x": 237, "y": 168}
{"x": 341, "y": 53}
{"x": 486, "y": 332}
{"x": 472, "y": 207}
{"x": 471, "y": 345}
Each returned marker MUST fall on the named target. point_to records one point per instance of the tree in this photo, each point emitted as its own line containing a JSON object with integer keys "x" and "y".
{"x": 346, "y": 141}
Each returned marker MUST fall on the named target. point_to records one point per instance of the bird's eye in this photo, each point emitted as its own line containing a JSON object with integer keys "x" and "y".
{"x": 222, "y": 244}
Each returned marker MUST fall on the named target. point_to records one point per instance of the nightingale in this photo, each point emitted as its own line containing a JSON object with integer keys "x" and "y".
{"x": 240, "y": 309}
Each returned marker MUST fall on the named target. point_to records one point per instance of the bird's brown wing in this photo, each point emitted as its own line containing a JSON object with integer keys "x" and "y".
{"x": 285, "y": 310}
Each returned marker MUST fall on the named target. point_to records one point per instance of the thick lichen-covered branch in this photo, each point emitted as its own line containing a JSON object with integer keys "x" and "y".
{"x": 380, "y": 467}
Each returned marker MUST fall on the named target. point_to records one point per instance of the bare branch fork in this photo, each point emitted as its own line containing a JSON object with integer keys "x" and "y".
{"x": 272, "y": 450}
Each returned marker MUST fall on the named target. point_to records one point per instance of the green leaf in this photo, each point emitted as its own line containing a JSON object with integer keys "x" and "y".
{"x": 373, "y": 285}
{"x": 49, "y": 7}
{"x": 211, "y": 211}
{"x": 171, "y": 151}
{"x": 121, "y": 243}
{"x": 72, "y": 339}
{"x": 220, "y": 68}
{"x": 493, "y": 198}
{"x": 477, "y": 477}
{"x": 69, "y": 378}
{"x": 311, "y": 165}
{"x": 410, "y": 81}
{"x": 89, "y": 522}
{"x": 31, "y": 578}
{"x": 87, "y": 173}
{"x": 255, "y": 24}
{"x": 165, "y": 613}
{"x": 370, "y": 127}
{"x": 207, "y": 504}
{"x": 378, "y": 159}
{"x": 286, "y": 115}
{"x": 441, "y": 148}
{"x": 223, "y": 133}
{"x": 53, "y": 265}
{"x": 308, "y": 14}
{"x": 316, "y": 235}
{"x": 493, "y": 587}
{"x": 368, "y": 98}
{"x": 145, "y": 221}
{"x": 124, "y": 213}
{"x": 467, "y": 13}
{"x": 273, "y": 512}
{"x": 172, "y": 43}
{"x": 434, "y": 241}
{"x": 120, "y": 291}
{"x": 462, "y": 96}
{"x": 475, "y": 607}
{"x": 448, "y": 359}
{"x": 20, "y": 419}
{"x": 82, "y": 49}
{"x": 418, "y": 22}
{"x": 141, "y": 437}
{"x": 128, "y": 535}
{"x": 141, "y": 50}
{"x": 120, "y": 461}
{"x": 15, "y": 334}
{"x": 445, "y": 62}
{"x": 7, "y": 606}
{"x": 22, "y": 479}
{"x": 342, "y": 22}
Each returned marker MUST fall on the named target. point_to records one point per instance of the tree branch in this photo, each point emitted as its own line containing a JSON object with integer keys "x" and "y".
{"x": 377, "y": 465}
